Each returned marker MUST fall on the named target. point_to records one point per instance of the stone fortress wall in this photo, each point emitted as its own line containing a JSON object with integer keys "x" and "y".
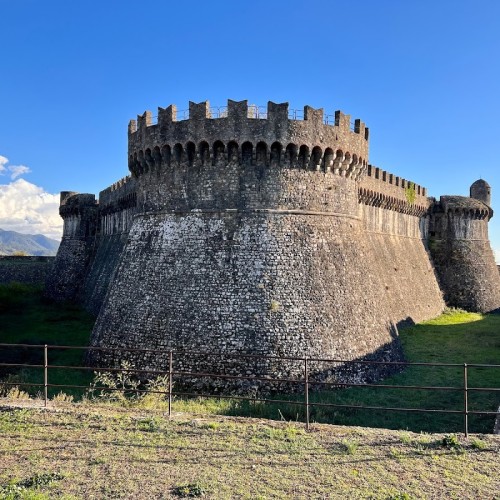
{"x": 30, "y": 270}
{"x": 80, "y": 215}
{"x": 117, "y": 207}
{"x": 461, "y": 249}
{"x": 263, "y": 234}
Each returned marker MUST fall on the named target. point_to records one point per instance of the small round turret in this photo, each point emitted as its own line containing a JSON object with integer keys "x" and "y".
{"x": 481, "y": 190}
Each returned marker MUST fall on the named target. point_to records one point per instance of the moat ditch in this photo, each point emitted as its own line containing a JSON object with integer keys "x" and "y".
{"x": 455, "y": 337}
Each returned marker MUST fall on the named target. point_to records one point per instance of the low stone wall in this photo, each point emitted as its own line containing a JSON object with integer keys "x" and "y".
{"x": 29, "y": 270}
{"x": 69, "y": 272}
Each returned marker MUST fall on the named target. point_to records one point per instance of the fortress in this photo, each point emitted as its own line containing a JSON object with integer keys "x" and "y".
{"x": 242, "y": 230}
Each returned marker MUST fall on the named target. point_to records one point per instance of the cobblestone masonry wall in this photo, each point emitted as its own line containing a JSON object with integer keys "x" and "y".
{"x": 80, "y": 215}
{"x": 28, "y": 270}
{"x": 269, "y": 283}
{"x": 263, "y": 234}
{"x": 117, "y": 207}
{"x": 398, "y": 244}
{"x": 463, "y": 256}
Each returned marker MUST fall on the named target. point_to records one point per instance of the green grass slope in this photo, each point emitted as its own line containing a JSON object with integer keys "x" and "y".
{"x": 454, "y": 337}
{"x": 27, "y": 318}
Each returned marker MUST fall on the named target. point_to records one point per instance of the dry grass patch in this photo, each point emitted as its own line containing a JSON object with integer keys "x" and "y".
{"x": 99, "y": 451}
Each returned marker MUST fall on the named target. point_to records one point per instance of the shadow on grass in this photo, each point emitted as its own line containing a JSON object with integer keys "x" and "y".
{"x": 471, "y": 339}
{"x": 456, "y": 337}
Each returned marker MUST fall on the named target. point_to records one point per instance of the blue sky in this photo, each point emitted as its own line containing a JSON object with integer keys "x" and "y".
{"x": 423, "y": 75}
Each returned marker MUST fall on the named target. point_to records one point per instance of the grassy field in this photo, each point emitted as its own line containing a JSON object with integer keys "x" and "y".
{"x": 98, "y": 451}
{"x": 454, "y": 337}
{"x": 27, "y": 318}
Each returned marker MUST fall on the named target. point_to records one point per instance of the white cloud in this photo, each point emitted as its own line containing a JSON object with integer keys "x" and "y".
{"x": 29, "y": 209}
{"x": 3, "y": 162}
{"x": 14, "y": 170}
{"x": 18, "y": 170}
{"x": 25, "y": 207}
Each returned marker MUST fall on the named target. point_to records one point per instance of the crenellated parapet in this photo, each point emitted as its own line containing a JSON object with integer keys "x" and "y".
{"x": 389, "y": 184}
{"x": 374, "y": 199}
{"x": 382, "y": 189}
{"x": 119, "y": 196}
{"x": 244, "y": 134}
{"x": 462, "y": 206}
{"x": 118, "y": 185}
{"x": 72, "y": 203}
{"x": 392, "y": 183}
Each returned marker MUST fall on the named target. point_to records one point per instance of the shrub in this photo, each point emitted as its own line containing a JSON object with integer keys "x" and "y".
{"x": 478, "y": 444}
{"x": 451, "y": 441}
{"x": 115, "y": 386}
{"x": 349, "y": 446}
{"x": 123, "y": 386}
{"x": 189, "y": 490}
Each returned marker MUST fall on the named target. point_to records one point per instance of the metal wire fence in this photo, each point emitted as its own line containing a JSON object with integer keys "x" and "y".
{"x": 302, "y": 383}
{"x": 253, "y": 111}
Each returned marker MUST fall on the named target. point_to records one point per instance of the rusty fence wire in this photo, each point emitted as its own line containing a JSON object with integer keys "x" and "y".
{"x": 303, "y": 383}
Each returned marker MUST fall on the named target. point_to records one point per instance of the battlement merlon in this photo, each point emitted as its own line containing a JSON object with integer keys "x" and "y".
{"x": 383, "y": 182}
{"x": 463, "y": 206}
{"x": 65, "y": 196}
{"x": 121, "y": 194}
{"x": 116, "y": 186}
{"x": 241, "y": 122}
{"x": 72, "y": 203}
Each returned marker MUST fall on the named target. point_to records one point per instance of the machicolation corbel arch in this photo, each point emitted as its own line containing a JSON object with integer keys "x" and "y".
{"x": 267, "y": 230}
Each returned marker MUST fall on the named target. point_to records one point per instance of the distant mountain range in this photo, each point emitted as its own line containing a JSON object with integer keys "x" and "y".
{"x": 29, "y": 244}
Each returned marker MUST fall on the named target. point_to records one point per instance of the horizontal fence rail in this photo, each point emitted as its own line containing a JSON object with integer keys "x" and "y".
{"x": 304, "y": 382}
{"x": 253, "y": 111}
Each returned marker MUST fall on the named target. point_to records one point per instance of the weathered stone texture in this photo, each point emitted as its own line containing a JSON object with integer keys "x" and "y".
{"x": 101, "y": 271}
{"x": 29, "y": 270}
{"x": 79, "y": 212}
{"x": 266, "y": 283}
{"x": 397, "y": 243}
{"x": 266, "y": 235}
{"x": 117, "y": 207}
{"x": 462, "y": 254}
{"x": 481, "y": 190}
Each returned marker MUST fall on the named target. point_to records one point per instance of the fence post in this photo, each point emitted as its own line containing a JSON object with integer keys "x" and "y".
{"x": 466, "y": 403}
{"x": 306, "y": 389}
{"x": 170, "y": 359}
{"x": 45, "y": 374}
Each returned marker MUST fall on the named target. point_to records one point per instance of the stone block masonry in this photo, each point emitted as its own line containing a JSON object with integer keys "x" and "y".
{"x": 23, "y": 269}
{"x": 260, "y": 233}
{"x": 462, "y": 253}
